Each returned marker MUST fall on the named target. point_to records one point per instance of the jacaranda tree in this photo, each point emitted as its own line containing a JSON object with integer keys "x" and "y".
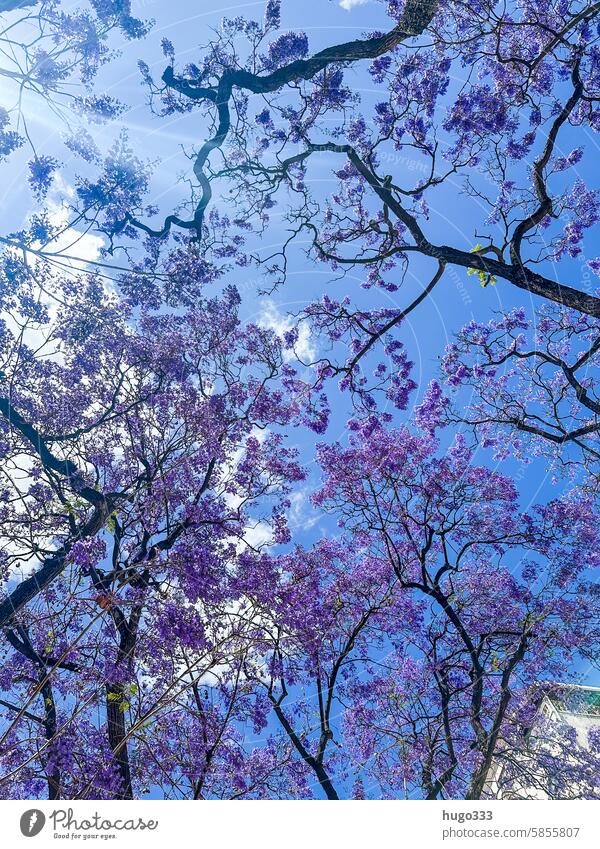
{"x": 198, "y": 601}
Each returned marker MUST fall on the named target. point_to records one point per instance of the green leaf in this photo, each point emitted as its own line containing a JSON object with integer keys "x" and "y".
{"x": 485, "y": 279}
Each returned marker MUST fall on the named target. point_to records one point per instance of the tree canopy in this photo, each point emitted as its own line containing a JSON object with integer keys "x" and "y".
{"x": 299, "y": 410}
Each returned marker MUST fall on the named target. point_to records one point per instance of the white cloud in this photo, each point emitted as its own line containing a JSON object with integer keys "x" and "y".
{"x": 85, "y": 246}
{"x": 273, "y": 319}
{"x": 72, "y": 250}
{"x": 350, "y": 4}
{"x": 302, "y": 515}
{"x": 257, "y": 535}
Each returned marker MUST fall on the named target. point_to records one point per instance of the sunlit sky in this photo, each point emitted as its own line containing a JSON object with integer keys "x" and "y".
{"x": 456, "y": 300}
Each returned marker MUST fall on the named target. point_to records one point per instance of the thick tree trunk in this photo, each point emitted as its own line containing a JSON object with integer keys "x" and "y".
{"x": 325, "y": 783}
{"x": 117, "y": 736}
{"x": 50, "y": 733}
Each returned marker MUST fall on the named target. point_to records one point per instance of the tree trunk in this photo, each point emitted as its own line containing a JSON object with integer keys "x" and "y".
{"x": 117, "y": 736}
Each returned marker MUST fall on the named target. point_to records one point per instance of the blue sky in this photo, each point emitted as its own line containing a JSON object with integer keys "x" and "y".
{"x": 457, "y": 299}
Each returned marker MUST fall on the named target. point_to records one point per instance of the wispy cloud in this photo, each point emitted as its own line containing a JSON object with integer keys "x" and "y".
{"x": 302, "y": 515}
{"x": 350, "y": 4}
{"x": 85, "y": 246}
{"x": 273, "y": 319}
